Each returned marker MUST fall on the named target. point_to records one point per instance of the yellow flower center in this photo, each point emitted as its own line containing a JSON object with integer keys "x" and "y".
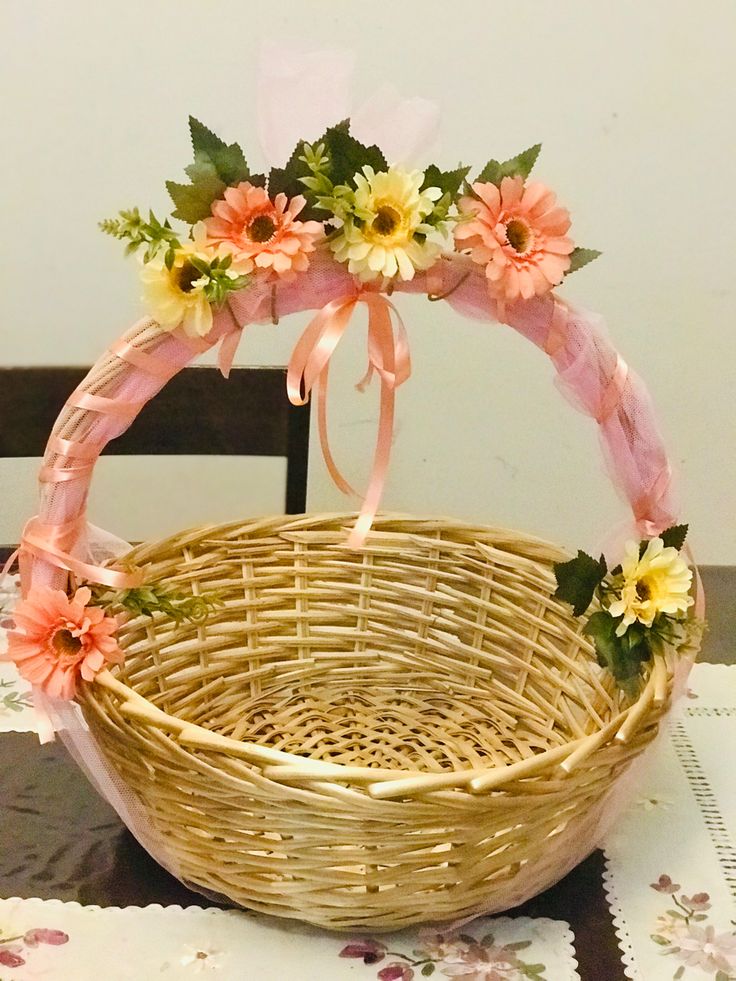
{"x": 386, "y": 220}
{"x": 261, "y": 229}
{"x": 390, "y": 226}
{"x": 186, "y": 277}
{"x": 66, "y": 645}
{"x": 518, "y": 235}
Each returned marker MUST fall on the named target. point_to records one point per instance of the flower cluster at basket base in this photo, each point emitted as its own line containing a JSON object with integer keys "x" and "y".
{"x": 340, "y": 202}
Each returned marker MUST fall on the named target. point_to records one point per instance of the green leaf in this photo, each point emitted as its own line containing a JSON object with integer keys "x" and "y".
{"x": 448, "y": 181}
{"x": 228, "y": 161}
{"x": 287, "y": 180}
{"x": 347, "y": 155}
{"x": 518, "y": 945}
{"x": 216, "y": 166}
{"x": 518, "y": 166}
{"x": 577, "y": 580}
{"x": 581, "y": 257}
{"x": 467, "y": 938}
{"x": 675, "y": 536}
{"x": 621, "y": 655}
{"x": 427, "y": 970}
{"x": 488, "y": 940}
{"x": 193, "y": 202}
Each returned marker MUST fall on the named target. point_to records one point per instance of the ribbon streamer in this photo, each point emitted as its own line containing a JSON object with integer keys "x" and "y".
{"x": 388, "y": 357}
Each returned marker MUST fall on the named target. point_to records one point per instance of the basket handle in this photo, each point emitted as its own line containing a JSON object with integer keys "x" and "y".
{"x": 134, "y": 369}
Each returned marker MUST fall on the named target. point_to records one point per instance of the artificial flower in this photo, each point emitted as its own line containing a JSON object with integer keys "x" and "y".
{"x": 658, "y": 582}
{"x": 441, "y": 947}
{"x": 10, "y": 956}
{"x": 654, "y": 803}
{"x": 369, "y": 951}
{"x": 519, "y": 234}
{"x": 482, "y": 963}
{"x": 384, "y": 233}
{"x": 699, "y": 902}
{"x": 666, "y": 929}
{"x": 201, "y": 960}
{"x": 396, "y": 972}
{"x": 59, "y": 639}
{"x": 262, "y": 233}
{"x": 701, "y": 947}
{"x": 177, "y": 295}
{"x": 666, "y": 885}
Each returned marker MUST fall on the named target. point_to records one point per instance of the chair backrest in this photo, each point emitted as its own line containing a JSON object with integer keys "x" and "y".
{"x": 247, "y": 415}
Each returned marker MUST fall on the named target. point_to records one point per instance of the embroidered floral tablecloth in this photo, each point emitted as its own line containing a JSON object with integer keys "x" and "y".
{"x": 671, "y": 858}
{"x": 69, "y": 942}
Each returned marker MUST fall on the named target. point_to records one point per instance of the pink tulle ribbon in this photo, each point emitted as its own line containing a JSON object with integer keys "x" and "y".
{"x": 54, "y": 544}
{"x": 388, "y": 357}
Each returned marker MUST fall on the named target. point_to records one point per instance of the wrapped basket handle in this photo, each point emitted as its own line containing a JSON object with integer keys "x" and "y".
{"x": 134, "y": 369}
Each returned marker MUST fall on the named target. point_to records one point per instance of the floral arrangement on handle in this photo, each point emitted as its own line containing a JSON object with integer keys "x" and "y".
{"x": 382, "y": 223}
{"x": 381, "y": 220}
{"x": 642, "y": 603}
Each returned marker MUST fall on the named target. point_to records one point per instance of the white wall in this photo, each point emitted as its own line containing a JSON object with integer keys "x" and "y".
{"x": 633, "y": 102}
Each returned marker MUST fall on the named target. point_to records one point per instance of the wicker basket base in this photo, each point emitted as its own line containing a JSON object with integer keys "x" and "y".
{"x": 412, "y": 732}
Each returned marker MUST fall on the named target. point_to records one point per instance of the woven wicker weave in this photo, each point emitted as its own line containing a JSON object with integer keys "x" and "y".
{"x": 368, "y": 739}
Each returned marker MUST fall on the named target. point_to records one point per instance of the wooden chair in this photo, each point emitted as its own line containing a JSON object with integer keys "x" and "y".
{"x": 247, "y": 415}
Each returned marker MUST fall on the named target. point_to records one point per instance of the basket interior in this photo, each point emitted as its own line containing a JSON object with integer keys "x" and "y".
{"x": 435, "y": 647}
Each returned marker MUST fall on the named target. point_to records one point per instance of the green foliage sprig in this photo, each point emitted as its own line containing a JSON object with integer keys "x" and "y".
{"x": 219, "y": 280}
{"x": 151, "y": 599}
{"x": 154, "y": 234}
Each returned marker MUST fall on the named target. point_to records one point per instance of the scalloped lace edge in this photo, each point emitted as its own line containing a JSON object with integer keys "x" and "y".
{"x": 620, "y": 926}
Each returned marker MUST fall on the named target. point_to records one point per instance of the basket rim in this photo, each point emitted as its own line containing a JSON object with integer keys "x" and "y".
{"x": 290, "y": 768}
{"x": 382, "y": 784}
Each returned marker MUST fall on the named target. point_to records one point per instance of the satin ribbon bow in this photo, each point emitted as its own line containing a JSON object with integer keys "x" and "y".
{"x": 388, "y": 357}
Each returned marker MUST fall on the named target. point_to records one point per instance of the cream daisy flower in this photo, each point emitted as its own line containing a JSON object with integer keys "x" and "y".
{"x": 385, "y": 234}
{"x": 175, "y": 297}
{"x": 658, "y": 582}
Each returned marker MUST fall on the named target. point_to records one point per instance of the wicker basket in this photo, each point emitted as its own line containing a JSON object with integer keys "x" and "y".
{"x": 368, "y": 739}
{"x": 411, "y": 730}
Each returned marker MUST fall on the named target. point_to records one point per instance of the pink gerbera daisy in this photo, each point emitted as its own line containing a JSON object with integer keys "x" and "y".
{"x": 261, "y": 232}
{"x": 518, "y": 234}
{"x": 61, "y": 638}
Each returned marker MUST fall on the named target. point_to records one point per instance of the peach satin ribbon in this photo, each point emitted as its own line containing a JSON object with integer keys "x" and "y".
{"x": 388, "y": 357}
{"x": 53, "y": 544}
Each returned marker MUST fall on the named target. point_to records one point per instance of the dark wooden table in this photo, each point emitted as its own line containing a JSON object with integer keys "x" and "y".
{"x": 59, "y": 840}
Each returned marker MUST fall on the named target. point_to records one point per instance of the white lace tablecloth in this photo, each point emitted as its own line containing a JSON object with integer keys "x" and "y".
{"x": 671, "y": 858}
